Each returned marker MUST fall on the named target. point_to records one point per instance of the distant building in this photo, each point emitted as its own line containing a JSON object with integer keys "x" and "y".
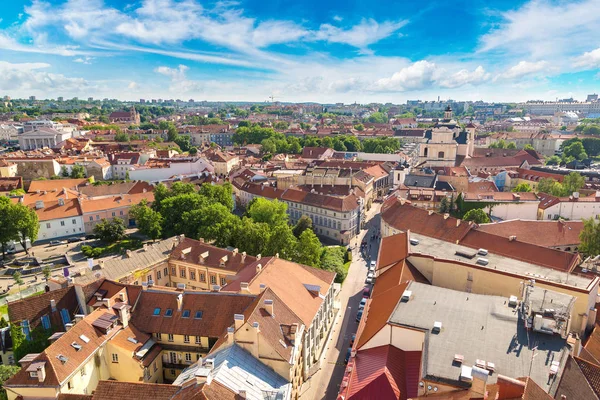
{"x": 128, "y": 117}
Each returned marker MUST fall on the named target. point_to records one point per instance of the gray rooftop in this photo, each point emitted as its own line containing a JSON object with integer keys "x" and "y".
{"x": 447, "y": 250}
{"x": 237, "y": 370}
{"x": 116, "y": 268}
{"x": 477, "y": 327}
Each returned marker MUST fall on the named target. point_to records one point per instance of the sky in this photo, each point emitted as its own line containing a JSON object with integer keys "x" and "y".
{"x": 322, "y": 51}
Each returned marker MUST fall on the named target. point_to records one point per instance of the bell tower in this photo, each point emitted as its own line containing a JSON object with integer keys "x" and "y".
{"x": 448, "y": 113}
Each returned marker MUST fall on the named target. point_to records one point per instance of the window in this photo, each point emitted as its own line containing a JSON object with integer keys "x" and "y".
{"x": 62, "y": 223}
{"x": 202, "y": 277}
{"x": 155, "y": 367}
{"x": 149, "y": 278}
{"x": 198, "y": 315}
{"x": 168, "y": 312}
{"x": 193, "y": 275}
{"x": 69, "y": 385}
{"x": 74, "y": 222}
{"x": 186, "y": 339}
{"x": 223, "y": 281}
{"x": 156, "y": 311}
{"x": 172, "y": 371}
{"x": 213, "y": 280}
{"x": 197, "y": 339}
{"x": 64, "y": 315}
{"x": 46, "y": 321}
{"x": 173, "y": 271}
{"x": 83, "y": 371}
{"x": 113, "y": 214}
{"x": 158, "y": 275}
{"x": 97, "y": 217}
{"x": 121, "y": 212}
{"x": 170, "y": 337}
{"x": 47, "y": 226}
{"x": 115, "y": 357}
{"x": 158, "y": 337}
{"x": 188, "y": 357}
{"x": 186, "y": 314}
{"x": 91, "y": 218}
{"x": 26, "y": 331}
{"x": 441, "y": 154}
{"x": 182, "y": 272}
{"x": 166, "y": 271}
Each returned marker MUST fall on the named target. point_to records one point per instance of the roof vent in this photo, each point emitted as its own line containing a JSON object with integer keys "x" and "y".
{"x": 132, "y": 340}
{"x": 84, "y": 338}
{"x": 512, "y": 301}
{"x": 63, "y": 359}
{"x": 414, "y": 242}
{"x": 406, "y": 295}
{"x": 482, "y": 261}
{"x": 482, "y": 252}
{"x": 76, "y": 346}
{"x": 466, "y": 374}
{"x": 459, "y": 358}
{"x": 512, "y": 238}
{"x": 437, "y": 326}
{"x": 61, "y": 201}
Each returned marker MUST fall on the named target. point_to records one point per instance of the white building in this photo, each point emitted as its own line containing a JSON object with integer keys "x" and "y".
{"x": 506, "y": 205}
{"x": 157, "y": 170}
{"x": 59, "y": 219}
{"x": 573, "y": 207}
{"x": 42, "y": 137}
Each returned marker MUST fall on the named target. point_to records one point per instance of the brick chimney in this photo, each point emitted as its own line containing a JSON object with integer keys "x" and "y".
{"x": 480, "y": 377}
{"x": 238, "y": 320}
{"x": 179, "y": 302}
{"x": 243, "y": 256}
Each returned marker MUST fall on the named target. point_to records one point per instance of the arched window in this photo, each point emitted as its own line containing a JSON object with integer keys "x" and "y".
{"x": 441, "y": 154}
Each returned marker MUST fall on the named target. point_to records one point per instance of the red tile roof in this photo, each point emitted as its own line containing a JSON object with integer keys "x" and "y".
{"x": 541, "y": 233}
{"x": 190, "y": 250}
{"x": 33, "y": 308}
{"x": 109, "y": 390}
{"x": 341, "y": 204}
{"x": 392, "y": 249}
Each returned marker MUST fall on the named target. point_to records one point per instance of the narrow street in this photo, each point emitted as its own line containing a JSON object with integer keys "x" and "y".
{"x": 325, "y": 383}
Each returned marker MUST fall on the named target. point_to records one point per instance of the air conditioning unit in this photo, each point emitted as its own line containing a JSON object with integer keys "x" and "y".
{"x": 482, "y": 261}
{"x": 482, "y": 252}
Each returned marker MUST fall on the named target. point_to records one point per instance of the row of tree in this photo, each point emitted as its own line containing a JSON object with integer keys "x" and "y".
{"x": 207, "y": 213}
{"x": 19, "y": 223}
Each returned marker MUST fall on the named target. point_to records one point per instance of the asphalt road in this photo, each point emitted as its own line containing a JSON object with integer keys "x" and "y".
{"x": 326, "y": 382}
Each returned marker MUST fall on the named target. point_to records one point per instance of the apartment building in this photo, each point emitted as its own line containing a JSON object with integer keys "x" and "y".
{"x": 574, "y": 207}
{"x": 95, "y": 210}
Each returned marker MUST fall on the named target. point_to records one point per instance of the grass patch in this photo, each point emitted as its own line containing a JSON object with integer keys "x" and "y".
{"x": 4, "y": 309}
{"x": 113, "y": 248}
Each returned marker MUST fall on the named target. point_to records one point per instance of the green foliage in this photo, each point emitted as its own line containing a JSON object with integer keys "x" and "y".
{"x": 309, "y": 249}
{"x": 17, "y": 192}
{"x": 303, "y": 224}
{"x": 444, "y": 205}
{"x": 272, "y": 212}
{"x": 222, "y": 194}
{"x": 381, "y": 145}
{"x": 522, "y": 187}
{"x": 110, "y": 231}
{"x": 477, "y": 215}
{"x": 3, "y": 322}
{"x": 6, "y": 372}
{"x": 281, "y": 125}
{"x": 19, "y": 223}
{"x": 591, "y": 130}
{"x": 502, "y": 144}
{"x": 574, "y": 150}
{"x": 77, "y": 172}
{"x": 528, "y": 147}
{"x": 183, "y": 141}
{"x": 571, "y": 183}
{"x": 121, "y": 137}
{"x": 22, "y": 346}
{"x": 193, "y": 151}
{"x": 64, "y": 172}
{"x": 590, "y": 238}
{"x": 378, "y": 118}
{"x": 148, "y": 221}
{"x": 114, "y": 248}
{"x": 359, "y": 127}
{"x": 47, "y": 271}
{"x": 553, "y": 160}
{"x": 334, "y": 259}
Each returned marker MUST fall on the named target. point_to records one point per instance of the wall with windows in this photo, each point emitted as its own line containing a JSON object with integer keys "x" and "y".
{"x": 91, "y": 219}
{"x": 61, "y": 227}
{"x": 123, "y": 367}
{"x": 197, "y": 276}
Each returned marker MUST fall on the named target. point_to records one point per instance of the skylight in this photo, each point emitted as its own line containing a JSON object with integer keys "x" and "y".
{"x": 168, "y": 312}
{"x": 157, "y": 311}
{"x": 186, "y": 314}
{"x": 198, "y": 315}
{"x": 84, "y": 338}
{"x": 76, "y": 346}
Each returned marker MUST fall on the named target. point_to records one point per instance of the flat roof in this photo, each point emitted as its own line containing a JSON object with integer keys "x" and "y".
{"x": 479, "y": 327}
{"x": 447, "y": 250}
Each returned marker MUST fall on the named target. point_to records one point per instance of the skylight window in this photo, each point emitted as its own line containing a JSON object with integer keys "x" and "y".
{"x": 198, "y": 315}
{"x": 84, "y": 338}
{"x": 168, "y": 312}
{"x": 186, "y": 314}
{"x": 76, "y": 346}
{"x": 157, "y": 311}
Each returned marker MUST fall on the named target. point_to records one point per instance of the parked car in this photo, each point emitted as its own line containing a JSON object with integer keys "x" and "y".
{"x": 74, "y": 239}
{"x": 348, "y": 353}
{"x": 89, "y": 237}
{"x": 373, "y": 264}
{"x": 56, "y": 242}
{"x": 352, "y": 339}
{"x": 367, "y": 292}
{"x": 362, "y": 304}
{"x": 372, "y": 269}
{"x": 359, "y": 315}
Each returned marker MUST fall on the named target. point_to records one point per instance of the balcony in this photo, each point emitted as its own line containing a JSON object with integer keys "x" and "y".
{"x": 179, "y": 365}
{"x": 186, "y": 348}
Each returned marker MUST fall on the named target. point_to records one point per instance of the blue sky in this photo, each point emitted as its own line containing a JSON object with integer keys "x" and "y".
{"x": 323, "y": 51}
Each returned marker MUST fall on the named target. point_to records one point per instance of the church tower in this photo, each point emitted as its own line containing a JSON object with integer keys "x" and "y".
{"x": 448, "y": 113}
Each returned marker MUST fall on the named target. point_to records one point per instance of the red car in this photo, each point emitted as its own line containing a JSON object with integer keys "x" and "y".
{"x": 366, "y": 292}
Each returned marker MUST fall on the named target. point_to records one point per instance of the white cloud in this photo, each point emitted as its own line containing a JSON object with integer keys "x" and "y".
{"x": 338, "y": 18}
{"x": 543, "y": 27}
{"x": 84, "y": 60}
{"x": 132, "y": 85}
{"x": 362, "y": 35}
{"x": 523, "y": 68}
{"x": 589, "y": 59}
{"x": 465, "y": 77}
{"x": 9, "y": 43}
{"x": 31, "y": 77}
{"x": 173, "y": 73}
{"x": 416, "y": 76}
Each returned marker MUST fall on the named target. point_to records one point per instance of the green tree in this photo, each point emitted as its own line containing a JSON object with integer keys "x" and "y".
{"x": 148, "y": 221}
{"x": 214, "y": 221}
{"x": 378, "y": 118}
{"x": 222, "y": 194}
{"x": 64, "y": 172}
{"x": 551, "y": 186}
{"x": 121, "y": 137}
{"x": 303, "y": 224}
{"x": 573, "y": 182}
{"x": 78, "y": 172}
{"x": 26, "y": 224}
{"x": 193, "y": 151}
{"x": 271, "y": 212}
{"x": 250, "y": 236}
{"x": 332, "y": 259}
{"x": 183, "y": 141}
{"x": 309, "y": 249}
{"x": 590, "y": 238}
{"x": 6, "y": 372}
{"x": 281, "y": 241}
{"x": 268, "y": 146}
{"x": 3, "y": 322}
{"x": 359, "y": 127}
{"x": 553, "y": 160}
{"x": 522, "y": 187}
{"x": 172, "y": 133}
{"x": 7, "y": 231}
{"x": 528, "y": 147}
{"x": 563, "y": 128}
{"x": 477, "y": 215}
{"x": 17, "y": 192}
{"x": 444, "y": 205}
{"x": 511, "y": 145}
{"x": 575, "y": 150}
{"x": 18, "y": 278}
{"x": 110, "y": 231}
{"x": 47, "y": 272}
{"x": 592, "y": 130}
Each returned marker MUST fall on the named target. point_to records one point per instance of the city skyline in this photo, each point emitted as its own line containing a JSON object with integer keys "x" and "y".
{"x": 248, "y": 51}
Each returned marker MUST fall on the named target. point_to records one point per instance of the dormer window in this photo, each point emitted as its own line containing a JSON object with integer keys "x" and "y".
{"x": 186, "y": 314}
{"x": 156, "y": 311}
{"x": 168, "y": 312}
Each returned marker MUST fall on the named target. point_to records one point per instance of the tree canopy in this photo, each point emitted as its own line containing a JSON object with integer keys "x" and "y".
{"x": 522, "y": 187}
{"x": 590, "y": 238}
{"x": 477, "y": 215}
{"x": 110, "y": 230}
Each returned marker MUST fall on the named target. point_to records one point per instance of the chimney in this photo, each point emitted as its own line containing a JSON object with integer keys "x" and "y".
{"x": 53, "y": 305}
{"x": 234, "y": 252}
{"x": 243, "y": 256}
{"x": 124, "y": 316}
{"x": 230, "y": 332}
{"x": 68, "y": 326}
{"x": 123, "y": 297}
{"x": 512, "y": 238}
{"x": 480, "y": 377}
{"x": 244, "y": 287}
{"x": 202, "y": 375}
{"x": 258, "y": 268}
{"x": 430, "y": 212}
{"x": 242, "y": 394}
{"x": 457, "y": 221}
{"x": 101, "y": 264}
{"x": 238, "y": 320}
{"x": 269, "y": 307}
{"x": 145, "y": 246}
{"x": 223, "y": 260}
{"x": 446, "y": 216}
{"x": 128, "y": 252}
{"x": 258, "y": 257}
{"x": 179, "y": 302}
{"x": 293, "y": 331}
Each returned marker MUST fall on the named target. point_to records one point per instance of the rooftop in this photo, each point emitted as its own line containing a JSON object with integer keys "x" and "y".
{"x": 493, "y": 332}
